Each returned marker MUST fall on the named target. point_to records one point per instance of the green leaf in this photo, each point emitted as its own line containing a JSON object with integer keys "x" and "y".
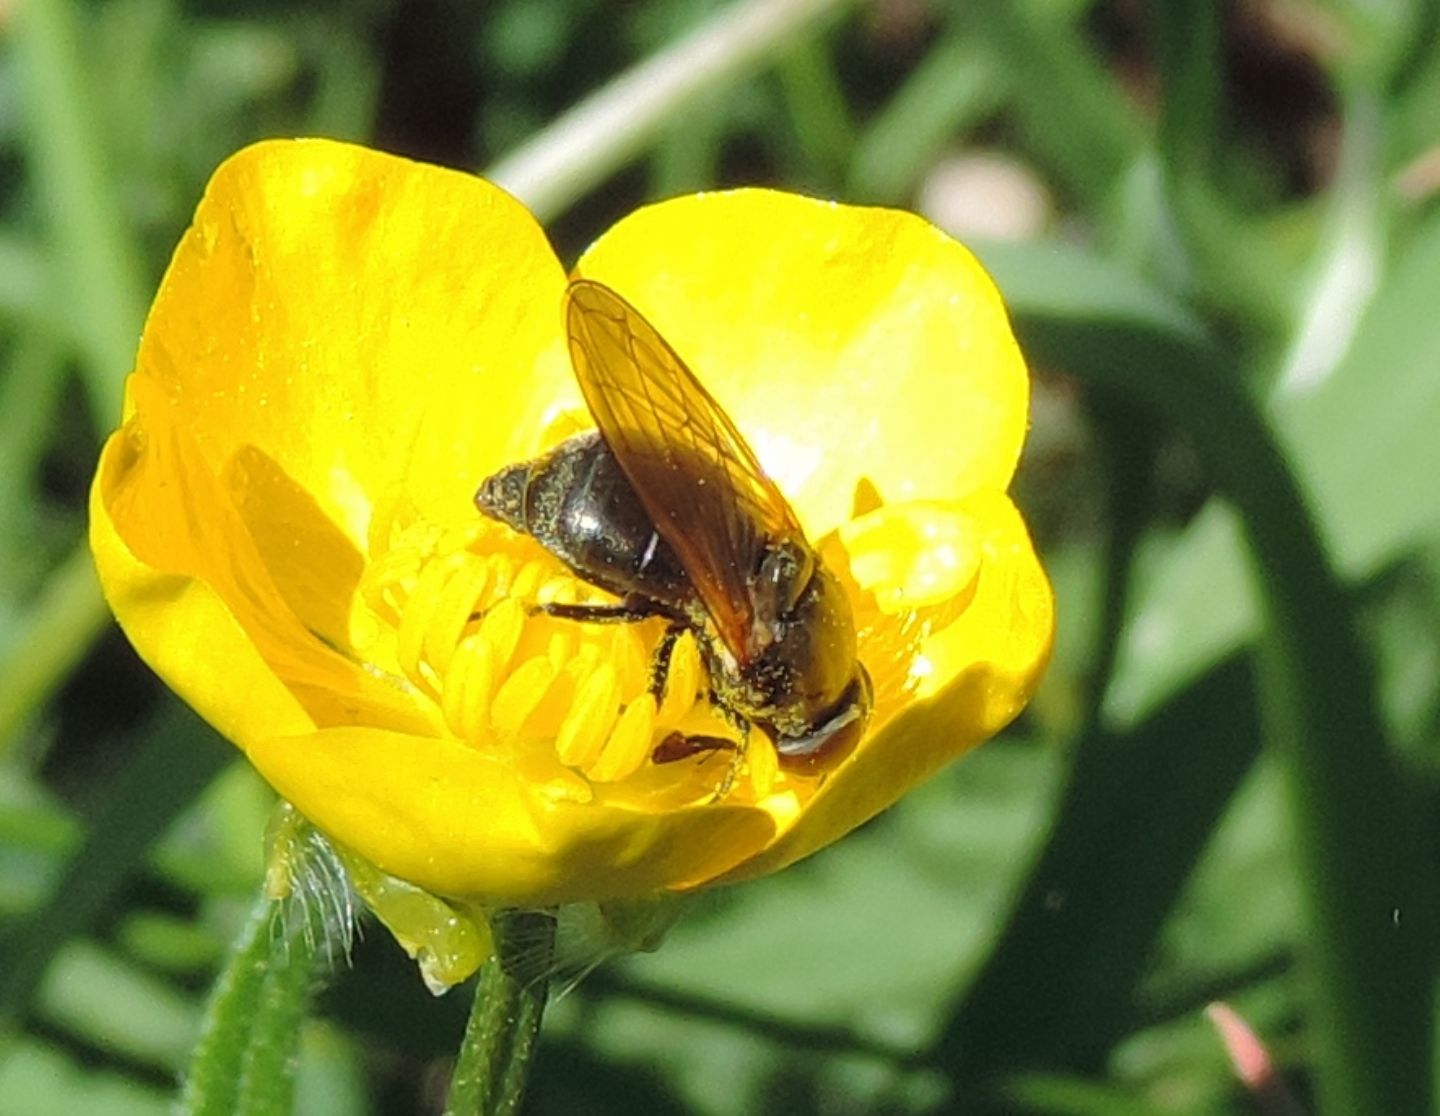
{"x": 1364, "y": 439}
{"x": 177, "y": 757}
{"x": 1133, "y": 820}
{"x": 847, "y": 939}
{"x": 37, "y": 1080}
{"x": 1052, "y": 1095}
{"x": 1362, "y": 443}
{"x": 1359, "y": 839}
{"x": 97, "y": 271}
{"x": 1195, "y": 603}
{"x": 951, "y": 90}
{"x": 97, "y": 997}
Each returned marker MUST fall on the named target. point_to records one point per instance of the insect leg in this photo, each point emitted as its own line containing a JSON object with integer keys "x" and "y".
{"x": 622, "y": 613}
{"x": 590, "y": 613}
{"x": 735, "y": 764}
{"x": 677, "y": 746}
{"x": 660, "y": 661}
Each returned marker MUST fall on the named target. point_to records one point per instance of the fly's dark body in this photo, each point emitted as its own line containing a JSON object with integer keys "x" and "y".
{"x": 666, "y": 507}
{"x": 578, "y": 504}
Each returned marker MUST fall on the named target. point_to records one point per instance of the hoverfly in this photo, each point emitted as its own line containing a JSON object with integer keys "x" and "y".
{"x": 667, "y": 507}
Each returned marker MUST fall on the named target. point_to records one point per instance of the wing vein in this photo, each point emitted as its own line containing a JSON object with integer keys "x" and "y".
{"x": 697, "y": 478}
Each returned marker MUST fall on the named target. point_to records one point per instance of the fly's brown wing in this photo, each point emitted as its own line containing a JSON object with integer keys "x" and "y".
{"x": 696, "y": 477}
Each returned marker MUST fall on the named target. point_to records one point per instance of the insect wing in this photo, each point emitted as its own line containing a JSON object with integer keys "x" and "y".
{"x": 696, "y": 477}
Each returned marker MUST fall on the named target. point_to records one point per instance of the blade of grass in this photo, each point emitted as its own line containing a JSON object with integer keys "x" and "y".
{"x": 177, "y": 758}
{"x": 1201, "y": 240}
{"x": 602, "y": 133}
{"x": 1187, "y": 48}
{"x": 1074, "y": 117}
{"x": 99, "y": 274}
{"x": 25, "y": 282}
{"x": 955, "y": 86}
{"x": 823, "y": 131}
{"x": 1359, "y": 839}
{"x": 686, "y": 156}
{"x": 49, "y": 640}
{"x": 29, "y": 393}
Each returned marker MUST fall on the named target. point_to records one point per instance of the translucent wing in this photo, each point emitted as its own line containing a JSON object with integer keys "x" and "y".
{"x": 698, "y": 480}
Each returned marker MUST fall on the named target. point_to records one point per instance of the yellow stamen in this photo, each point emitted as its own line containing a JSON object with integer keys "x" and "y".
{"x": 469, "y": 688}
{"x": 417, "y": 617}
{"x": 454, "y": 612}
{"x": 502, "y": 628}
{"x": 763, "y": 764}
{"x": 587, "y": 725}
{"x": 629, "y": 744}
{"x": 682, "y": 683}
{"x": 529, "y": 578}
{"x": 572, "y": 698}
{"x": 520, "y": 695}
{"x": 630, "y": 654}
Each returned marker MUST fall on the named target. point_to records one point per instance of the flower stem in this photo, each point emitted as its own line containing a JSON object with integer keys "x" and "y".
{"x": 504, "y": 1026}
{"x": 245, "y": 1060}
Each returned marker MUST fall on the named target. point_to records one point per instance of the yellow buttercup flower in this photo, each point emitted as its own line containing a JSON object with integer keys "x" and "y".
{"x": 347, "y": 343}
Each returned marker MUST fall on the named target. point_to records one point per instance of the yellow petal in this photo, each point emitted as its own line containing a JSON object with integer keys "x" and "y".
{"x": 460, "y": 822}
{"x": 186, "y": 632}
{"x": 911, "y": 556}
{"x": 358, "y": 323}
{"x": 847, "y": 343}
{"x": 347, "y": 343}
{"x": 192, "y": 591}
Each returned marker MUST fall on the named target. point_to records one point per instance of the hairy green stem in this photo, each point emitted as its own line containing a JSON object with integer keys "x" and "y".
{"x": 244, "y": 1064}
{"x": 504, "y": 1028}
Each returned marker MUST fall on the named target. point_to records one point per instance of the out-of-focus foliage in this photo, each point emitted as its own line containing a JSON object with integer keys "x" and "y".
{"x": 1243, "y": 191}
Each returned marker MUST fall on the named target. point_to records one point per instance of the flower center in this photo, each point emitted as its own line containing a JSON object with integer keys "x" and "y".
{"x": 461, "y": 620}
{"x": 464, "y": 613}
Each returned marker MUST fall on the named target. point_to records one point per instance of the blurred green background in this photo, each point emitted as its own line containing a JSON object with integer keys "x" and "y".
{"x": 1217, "y": 229}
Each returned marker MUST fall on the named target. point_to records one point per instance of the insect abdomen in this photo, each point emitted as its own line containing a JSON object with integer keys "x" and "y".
{"x": 576, "y": 502}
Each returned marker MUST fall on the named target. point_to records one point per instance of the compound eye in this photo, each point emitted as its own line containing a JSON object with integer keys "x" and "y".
{"x": 785, "y": 573}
